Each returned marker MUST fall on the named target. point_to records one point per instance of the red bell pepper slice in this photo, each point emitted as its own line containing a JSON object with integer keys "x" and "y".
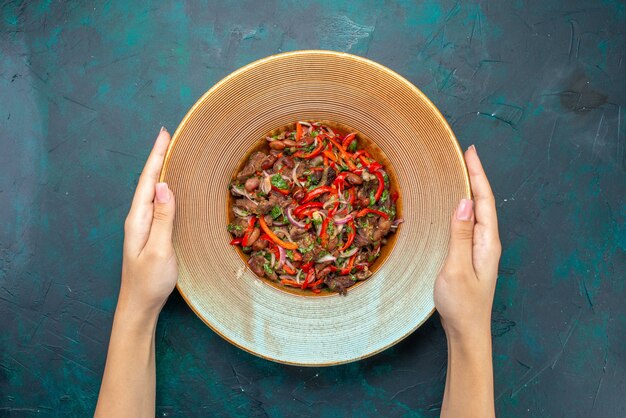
{"x": 236, "y": 241}
{"x": 351, "y": 236}
{"x": 291, "y": 283}
{"x": 249, "y": 229}
{"x": 298, "y": 211}
{"x": 288, "y": 269}
{"x": 317, "y": 151}
{"x": 394, "y": 197}
{"x": 341, "y": 178}
{"x": 281, "y": 191}
{"x": 298, "y": 131}
{"x": 324, "y": 231}
{"x": 381, "y": 185}
{"x": 347, "y": 140}
{"x": 270, "y": 233}
{"x": 374, "y": 166}
{"x": 352, "y": 197}
{"x": 309, "y": 278}
{"x": 346, "y": 156}
{"x": 348, "y": 268}
{"x": 317, "y": 192}
{"x": 306, "y": 267}
{"x": 365, "y": 211}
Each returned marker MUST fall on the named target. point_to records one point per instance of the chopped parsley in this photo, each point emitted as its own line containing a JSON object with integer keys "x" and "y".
{"x": 353, "y": 145}
{"x": 372, "y": 198}
{"x": 276, "y": 212}
{"x": 307, "y": 249}
{"x": 314, "y": 134}
{"x": 384, "y": 196}
{"x": 289, "y": 254}
{"x": 268, "y": 269}
{"x": 234, "y": 227}
{"x": 279, "y": 182}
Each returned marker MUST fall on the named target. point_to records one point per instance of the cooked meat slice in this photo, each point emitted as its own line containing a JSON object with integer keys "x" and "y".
{"x": 256, "y": 264}
{"x": 330, "y": 176}
{"x": 238, "y": 227}
{"x": 259, "y": 244}
{"x": 268, "y": 162}
{"x": 296, "y": 233}
{"x": 246, "y": 205}
{"x": 382, "y": 229}
{"x": 254, "y": 165}
{"x": 332, "y": 243}
{"x": 339, "y": 283}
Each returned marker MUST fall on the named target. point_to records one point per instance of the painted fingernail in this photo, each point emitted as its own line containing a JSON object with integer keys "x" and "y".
{"x": 162, "y": 193}
{"x": 464, "y": 211}
{"x": 163, "y": 129}
{"x": 471, "y": 147}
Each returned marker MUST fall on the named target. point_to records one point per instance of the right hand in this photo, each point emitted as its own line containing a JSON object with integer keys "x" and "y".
{"x": 465, "y": 287}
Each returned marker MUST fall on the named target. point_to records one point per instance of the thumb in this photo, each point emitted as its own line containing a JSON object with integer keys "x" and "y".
{"x": 163, "y": 218}
{"x": 462, "y": 234}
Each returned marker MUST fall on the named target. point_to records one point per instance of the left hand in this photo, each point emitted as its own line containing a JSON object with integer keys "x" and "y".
{"x": 149, "y": 269}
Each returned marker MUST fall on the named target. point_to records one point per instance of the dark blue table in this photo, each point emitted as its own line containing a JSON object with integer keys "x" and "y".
{"x": 538, "y": 86}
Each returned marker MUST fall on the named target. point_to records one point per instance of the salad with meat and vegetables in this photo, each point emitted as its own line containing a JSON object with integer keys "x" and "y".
{"x": 313, "y": 211}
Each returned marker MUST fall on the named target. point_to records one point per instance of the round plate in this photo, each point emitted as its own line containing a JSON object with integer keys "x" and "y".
{"x": 231, "y": 118}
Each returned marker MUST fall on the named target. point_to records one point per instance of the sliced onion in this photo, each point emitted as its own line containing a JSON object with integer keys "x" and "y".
{"x": 327, "y": 257}
{"x": 274, "y": 223}
{"x": 294, "y": 177}
{"x": 270, "y": 139}
{"x": 397, "y": 222}
{"x": 283, "y": 233}
{"x": 304, "y": 123}
{"x": 343, "y": 221}
{"x": 266, "y": 183}
{"x": 242, "y": 192}
{"x": 349, "y": 253}
{"x": 298, "y": 275}
{"x": 330, "y": 202}
{"x": 293, "y": 220}
{"x": 282, "y": 253}
{"x": 337, "y": 231}
{"x": 288, "y": 264}
{"x": 239, "y": 212}
{"x": 273, "y": 261}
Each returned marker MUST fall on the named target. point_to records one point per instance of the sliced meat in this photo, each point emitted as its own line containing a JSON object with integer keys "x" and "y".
{"x": 331, "y": 176}
{"x": 319, "y": 267}
{"x": 256, "y": 264}
{"x": 246, "y": 205}
{"x": 259, "y": 244}
{"x": 264, "y": 207}
{"x": 339, "y": 283}
{"x": 240, "y": 225}
{"x": 383, "y": 227}
{"x": 297, "y": 233}
{"x": 268, "y": 162}
{"x": 332, "y": 243}
{"x": 254, "y": 165}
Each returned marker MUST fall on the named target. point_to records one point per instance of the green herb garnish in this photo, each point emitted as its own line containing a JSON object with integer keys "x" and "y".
{"x": 279, "y": 182}
{"x": 276, "y": 212}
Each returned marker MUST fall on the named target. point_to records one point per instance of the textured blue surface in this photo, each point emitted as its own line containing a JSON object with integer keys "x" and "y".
{"x": 539, "y": 87}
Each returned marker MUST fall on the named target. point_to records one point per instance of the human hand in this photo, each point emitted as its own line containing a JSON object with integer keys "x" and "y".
{"x": 465, "y": 286}
{"x": 149, "y": 270}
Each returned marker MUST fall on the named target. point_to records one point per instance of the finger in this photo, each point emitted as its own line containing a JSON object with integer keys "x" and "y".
{"x": 485, "y": 208}
{"x": 461, "y": 237}
{"x": 163, "y": 220}
{"x": 144, "y": 195}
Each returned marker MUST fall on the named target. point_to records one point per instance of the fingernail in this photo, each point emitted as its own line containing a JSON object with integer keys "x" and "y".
{"x": 163, "y": 129}
{"x": 162, "y": 193}
{"x": 471, "y": 147}
{"x": 464, "y": 211}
